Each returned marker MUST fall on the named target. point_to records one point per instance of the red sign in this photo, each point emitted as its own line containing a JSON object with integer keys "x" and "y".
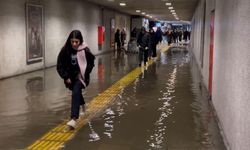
{"x": 101, "y": 31}
{"x": 210, "y": 80}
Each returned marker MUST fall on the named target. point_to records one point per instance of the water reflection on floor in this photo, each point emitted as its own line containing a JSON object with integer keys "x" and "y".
{"x": 164, "y": 108}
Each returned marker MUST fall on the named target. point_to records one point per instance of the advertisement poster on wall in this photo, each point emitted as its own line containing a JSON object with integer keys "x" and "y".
{"x": 34, "y": 33}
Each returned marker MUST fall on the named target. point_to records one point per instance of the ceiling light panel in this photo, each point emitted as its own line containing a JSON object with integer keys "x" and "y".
{"x": 168, "y": 4}
{"x": 123, "y": 4}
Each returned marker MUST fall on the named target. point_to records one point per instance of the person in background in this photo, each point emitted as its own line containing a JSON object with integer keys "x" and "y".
{"x": 170, "y": 37}
{"x": 143, "y": 44}
{"x": 152, "y": 43}
{"x": 74, "y": 65}
{"x": 158, "y": 35}
{"x": 133, "y": 34}
{"x": 180, "y": 35}
{"x": 185, "y": 35}
{"x": 118, "y": 39}
{"x": 175, "y": 36}
{"x": 123, "y": 38}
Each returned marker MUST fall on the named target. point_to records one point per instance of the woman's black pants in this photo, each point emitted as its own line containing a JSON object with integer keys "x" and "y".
{"x": 77, "y": 99}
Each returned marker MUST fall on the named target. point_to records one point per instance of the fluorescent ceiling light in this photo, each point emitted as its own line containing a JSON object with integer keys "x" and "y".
{"x": 143, "y": 13}
{"x": 168, "y": 4}
{"x": 170, "y": 7}
{"x": 172, "y": 10}
{"x": 122, "y": 4}
{"x": 138, "y": 11}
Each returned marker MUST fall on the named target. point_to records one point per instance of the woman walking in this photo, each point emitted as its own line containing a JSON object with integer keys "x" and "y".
{"x": 74, "y": 65}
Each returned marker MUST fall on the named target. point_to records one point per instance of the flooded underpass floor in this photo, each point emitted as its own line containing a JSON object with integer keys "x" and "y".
{"x": 166, "y": 107}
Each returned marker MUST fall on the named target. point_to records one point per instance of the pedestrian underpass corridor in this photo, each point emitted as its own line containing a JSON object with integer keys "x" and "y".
{"x": 165, "y": 106}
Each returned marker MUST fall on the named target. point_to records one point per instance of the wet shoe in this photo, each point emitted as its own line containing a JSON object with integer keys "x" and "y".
{"x": 83, "y": 110}
{"x": 72, "y": 123}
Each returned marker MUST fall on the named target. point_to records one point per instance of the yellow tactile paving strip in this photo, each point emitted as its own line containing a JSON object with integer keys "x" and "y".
{"x": 164, "y": 48}
{"x": 58, "y": 136}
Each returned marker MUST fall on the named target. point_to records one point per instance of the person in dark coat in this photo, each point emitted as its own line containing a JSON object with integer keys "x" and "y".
{"x": 152, "y": 43}
{"x": 133, "y": 33}
{"x": 175, "y": 36}
{"x": 143, "y": 44}
{"x": 123, "y": 38}
{"x": 180, "y": 35}
{"x": 185, "y": 35}
{"x": 170, "y": 36}
{"x": 118, "y": 39}
{"x": 159, "y": 34}
{"x": 74, "y": 65}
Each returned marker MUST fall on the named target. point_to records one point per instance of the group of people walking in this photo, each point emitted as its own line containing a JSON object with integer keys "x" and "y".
{"x": 120, "y": 38}
{"x": 175, "y": 36}
{"x": 146, "y": 43}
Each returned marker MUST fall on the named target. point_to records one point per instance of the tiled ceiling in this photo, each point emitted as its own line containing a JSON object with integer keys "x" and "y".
{"x": 155, "y": 8}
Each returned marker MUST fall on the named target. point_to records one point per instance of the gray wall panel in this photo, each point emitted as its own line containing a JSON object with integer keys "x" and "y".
{"x": 60, "y": 18}
{"x": 13, "y": 39}
{"x": 231, "y": 67}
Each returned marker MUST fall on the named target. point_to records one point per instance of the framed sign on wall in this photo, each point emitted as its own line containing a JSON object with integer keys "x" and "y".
{"x": 34, "y": 33}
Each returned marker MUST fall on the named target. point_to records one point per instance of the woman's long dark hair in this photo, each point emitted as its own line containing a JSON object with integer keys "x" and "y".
{"x": 76, "y": 34}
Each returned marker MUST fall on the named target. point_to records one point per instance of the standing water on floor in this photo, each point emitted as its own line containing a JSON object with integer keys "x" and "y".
{"x": 32, "y": 104}
{"x": 165, "y": 108}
